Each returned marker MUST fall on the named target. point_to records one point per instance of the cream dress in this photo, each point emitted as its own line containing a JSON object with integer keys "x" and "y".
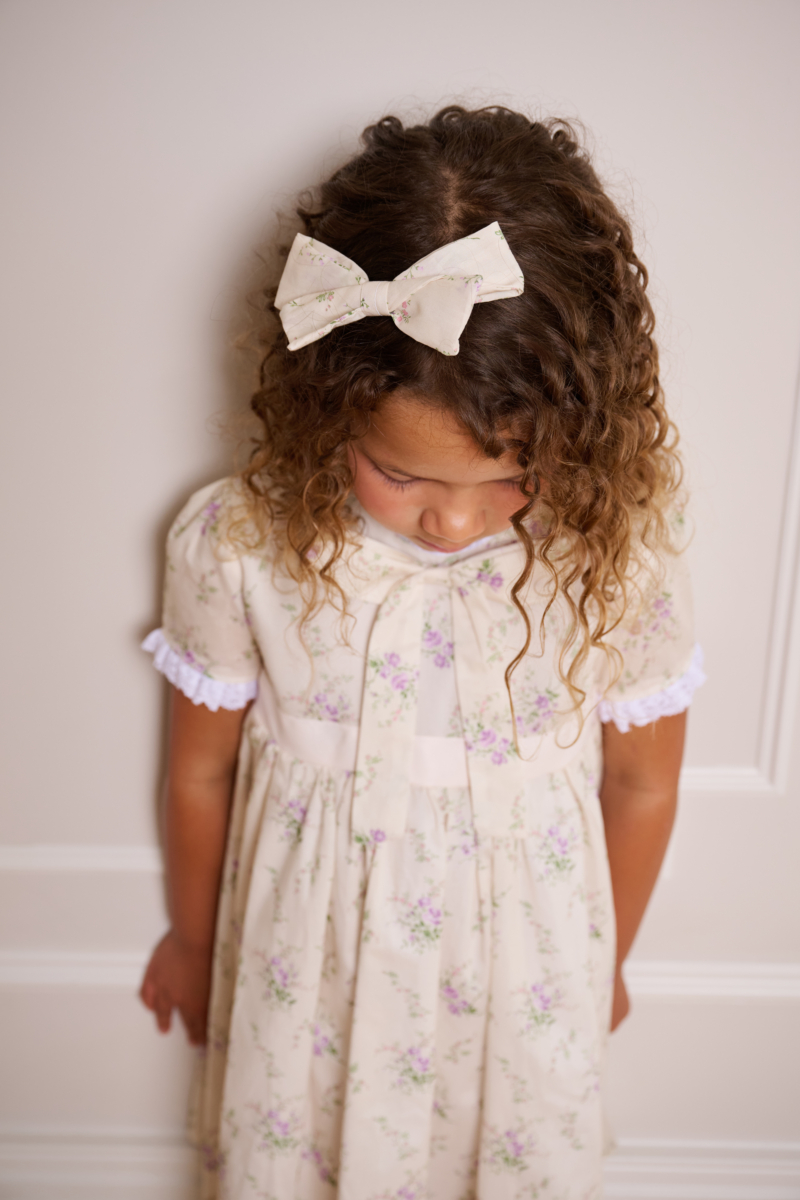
{"x": 415, "y": 943}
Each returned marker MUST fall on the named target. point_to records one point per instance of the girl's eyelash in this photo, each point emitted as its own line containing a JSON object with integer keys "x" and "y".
{"x": 397, "y": 483}
{"x": 402, "y": 484}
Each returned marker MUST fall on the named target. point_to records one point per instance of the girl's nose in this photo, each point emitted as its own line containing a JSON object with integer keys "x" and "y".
{"x": 456, "y": 520}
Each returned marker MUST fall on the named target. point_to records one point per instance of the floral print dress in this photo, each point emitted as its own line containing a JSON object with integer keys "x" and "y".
{"x": 415, "y": 943}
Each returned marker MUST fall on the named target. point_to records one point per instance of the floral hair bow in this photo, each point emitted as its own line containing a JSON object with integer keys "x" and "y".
{"x": 431, "y": 301}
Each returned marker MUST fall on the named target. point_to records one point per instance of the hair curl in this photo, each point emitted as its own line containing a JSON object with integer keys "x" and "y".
{"x": 565, "y": 375}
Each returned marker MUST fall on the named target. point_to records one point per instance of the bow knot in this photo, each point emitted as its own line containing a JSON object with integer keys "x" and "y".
{"x": 431, "y": 301}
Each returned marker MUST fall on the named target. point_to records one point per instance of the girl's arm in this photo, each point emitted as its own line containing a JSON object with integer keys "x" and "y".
{"x": 638, "y": 797}
{"x": 203, "y": 749}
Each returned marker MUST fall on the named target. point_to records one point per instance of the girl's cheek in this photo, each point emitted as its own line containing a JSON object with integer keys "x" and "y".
{"x": 508, "y": 504}
{"x": 383, "y": 503}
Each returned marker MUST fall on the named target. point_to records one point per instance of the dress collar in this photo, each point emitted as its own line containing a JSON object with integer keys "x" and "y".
{"x": 372, "y": 529}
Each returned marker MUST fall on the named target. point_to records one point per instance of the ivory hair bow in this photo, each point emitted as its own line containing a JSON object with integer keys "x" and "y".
{"x": 431, "y": 301}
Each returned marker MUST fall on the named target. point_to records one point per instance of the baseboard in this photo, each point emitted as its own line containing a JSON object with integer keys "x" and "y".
{"x": 671, "y": 1169}
{"x": 83, "y": 1163}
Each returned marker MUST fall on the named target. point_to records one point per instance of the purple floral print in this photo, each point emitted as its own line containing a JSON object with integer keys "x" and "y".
{"x": 276, "y": 1128}
{"x": 407, "y": 1191}
{"x": 508, "y": 1149}
{"x": 329, "y": 706}
{"x": 662, "y": 614}
{"x": 331, "y": 700}
{"x": 555, "y": 851}
{"x": 411, "y": 1068}
{"x": 494, "y": 580}
{"x": 421, "y": 920}
{"x": 292, "y": 814}
{"x": 457, "y": 995}
{"x": 325, "y": 1172}
{"x": 537, "y": 1008}
{"x": 485, "y": 574}
{"x": 436, "y": 646}
{"x": 312, "y": 1154}
{"x": 210, "y": 518}
{"x": 323, "y": 1044}
{"x": 373, "y": 838}
{"x": 463, "y": 844}
{"x": 487, "y": 741}
{"x": 537, "y": 713}
{"x": 279, "y": 977}
{"x": 401, "y": 682}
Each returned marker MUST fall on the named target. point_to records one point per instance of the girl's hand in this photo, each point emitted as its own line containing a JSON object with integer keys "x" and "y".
{"x": 620, "y": 1006}
{"x": 178, "y": 976}
{"x": 202, "y": 764}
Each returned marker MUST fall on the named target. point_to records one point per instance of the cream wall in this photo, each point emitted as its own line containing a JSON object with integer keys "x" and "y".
{"x": 144, "y": 146}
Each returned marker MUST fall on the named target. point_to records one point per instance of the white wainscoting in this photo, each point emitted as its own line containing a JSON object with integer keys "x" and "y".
{"x": 40, "y": 965}
{"x": 94, "y": 1163}
{"x": 692, "y": 980}
{"x": 85, "y": 1163}
{"x": 667, "y": 1169}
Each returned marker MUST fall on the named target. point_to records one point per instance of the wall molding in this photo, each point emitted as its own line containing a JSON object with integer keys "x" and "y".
{"x": 72, "y": 968}
{"x": 672, "y": 1169}
{"x": 95, "y": 1163}
{"x": 769, "y": 777}
{"x": 727, "y": 781}
{"x": 713, "y": 980}
{"x": 782, "y": 683}
{"x": 72, "y": 1162}
{"x": 689, "y": 980}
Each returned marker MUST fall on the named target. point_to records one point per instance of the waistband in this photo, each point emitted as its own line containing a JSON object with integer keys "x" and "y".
{"x": 435, "y": 761}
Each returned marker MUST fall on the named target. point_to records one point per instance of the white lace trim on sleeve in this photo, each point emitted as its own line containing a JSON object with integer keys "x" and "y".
{"x": 673, "y": 699}
{"x": 213, "y": 693}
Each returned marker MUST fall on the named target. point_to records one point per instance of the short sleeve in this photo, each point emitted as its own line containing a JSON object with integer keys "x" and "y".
{"x": 205, "y": 646}
{"x": 662, "y": 665}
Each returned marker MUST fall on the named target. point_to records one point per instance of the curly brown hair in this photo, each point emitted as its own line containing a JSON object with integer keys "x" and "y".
{"x": 566, "y": 375}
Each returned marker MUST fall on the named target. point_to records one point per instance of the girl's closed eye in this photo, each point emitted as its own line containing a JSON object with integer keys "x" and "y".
{"x": 401, "y": 484}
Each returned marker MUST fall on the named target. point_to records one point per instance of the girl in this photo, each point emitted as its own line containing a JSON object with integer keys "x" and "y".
{"x": 448, "y": 582}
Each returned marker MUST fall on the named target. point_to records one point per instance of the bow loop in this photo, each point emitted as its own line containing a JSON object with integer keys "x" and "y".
{"x": 431, "y": 301}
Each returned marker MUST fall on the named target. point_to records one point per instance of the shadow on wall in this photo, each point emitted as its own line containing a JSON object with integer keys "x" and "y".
{"x": 241, "y": 323}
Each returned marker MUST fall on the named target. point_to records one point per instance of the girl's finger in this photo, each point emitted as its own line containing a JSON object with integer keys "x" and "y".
{"x": 163, "y": 1011}
{"x": 147, "y": 992}
{"x": 199, "y": 1037}
{"x": 195, "y": 1027}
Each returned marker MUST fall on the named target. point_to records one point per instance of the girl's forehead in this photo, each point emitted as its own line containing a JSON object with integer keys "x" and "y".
{"x": 419, "y": 438}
